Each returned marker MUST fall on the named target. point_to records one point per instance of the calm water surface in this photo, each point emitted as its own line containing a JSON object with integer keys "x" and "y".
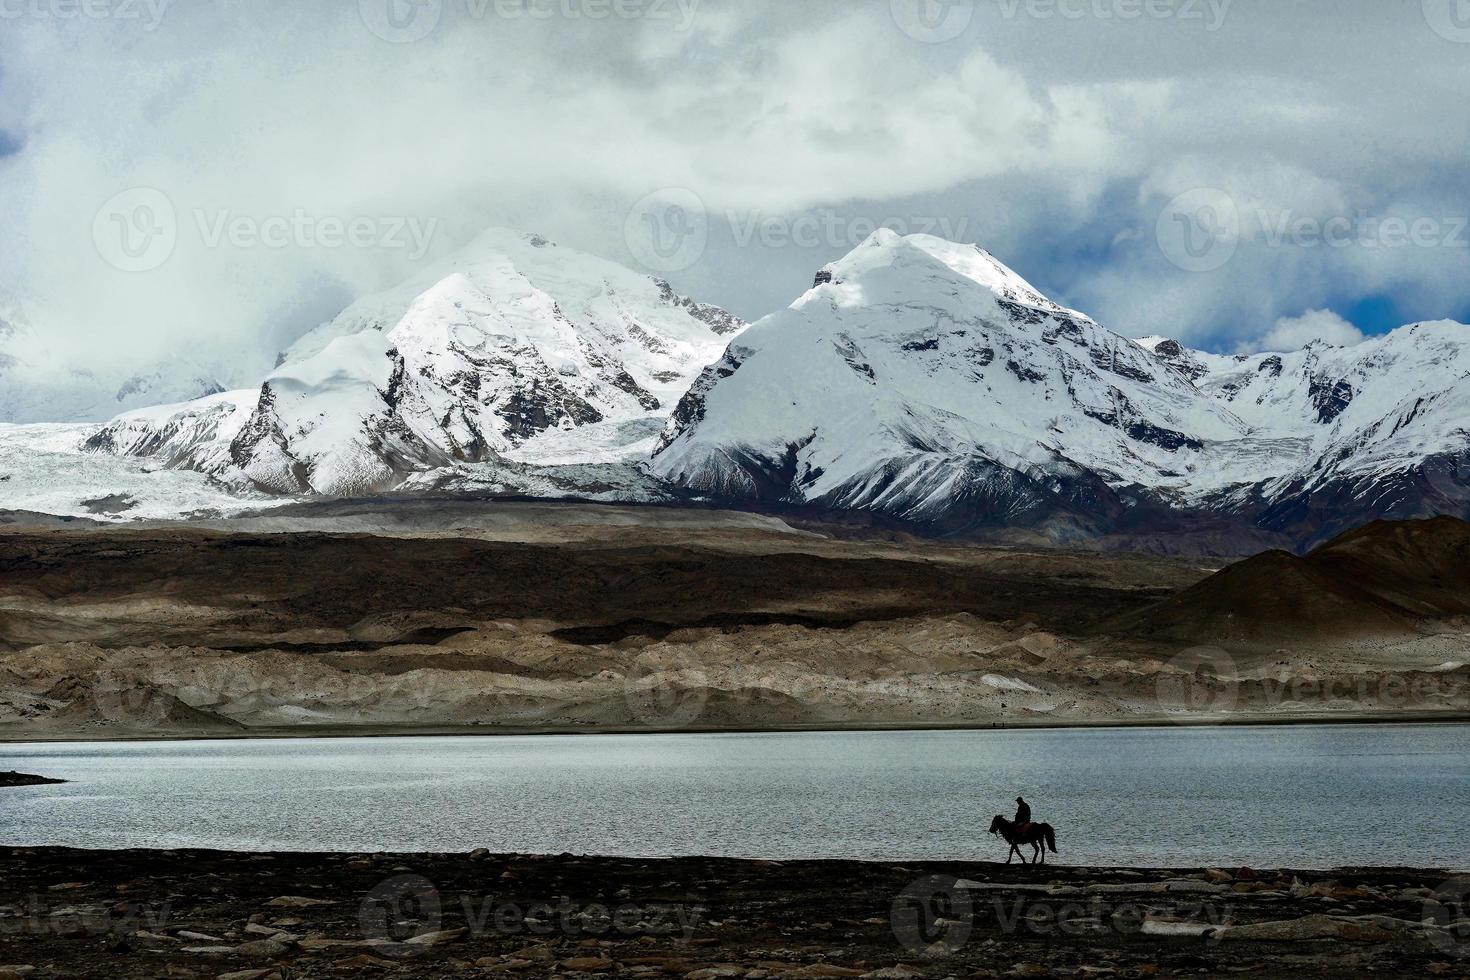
{"x": 1300, "y": 796}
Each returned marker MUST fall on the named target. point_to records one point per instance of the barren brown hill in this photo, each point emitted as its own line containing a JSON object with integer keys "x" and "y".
{"x": 497, "y": 617}
{"x": 1385, "y": 580}
{"x": 315, "y": 592}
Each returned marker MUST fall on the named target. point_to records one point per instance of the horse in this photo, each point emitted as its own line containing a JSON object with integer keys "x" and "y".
{"x": 1039, "y": 835}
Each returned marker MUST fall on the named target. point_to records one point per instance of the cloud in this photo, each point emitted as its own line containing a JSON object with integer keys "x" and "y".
{"x": 1295, "y": 332}
{"x": 1054, "y": 141}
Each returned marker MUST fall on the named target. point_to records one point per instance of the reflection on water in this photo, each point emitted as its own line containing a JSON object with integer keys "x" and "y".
{"x": 1313, "y": 796}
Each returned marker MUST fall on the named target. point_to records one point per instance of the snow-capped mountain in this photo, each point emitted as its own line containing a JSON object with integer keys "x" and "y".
{"x": 513, "y": 350}
{"x": 925, "y": 381}
{"x": 1379, "y": 429}
{"x": 41, "y": 383}
{"x": 917, "y": 379}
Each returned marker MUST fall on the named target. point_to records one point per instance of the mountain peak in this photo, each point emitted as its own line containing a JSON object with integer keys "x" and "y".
{"x": 513, "y": 350}
{"x": 500, "y": 238}
{"x": 927, "y": 378}
{"x": 527, "y": 279}
{"x": 888, "y": 264}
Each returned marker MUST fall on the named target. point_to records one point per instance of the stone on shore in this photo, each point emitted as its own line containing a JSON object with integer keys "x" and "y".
{"x": 296, "y": 902}
{"x": 1367, "y": 928}
{"x": 437, "y": 938}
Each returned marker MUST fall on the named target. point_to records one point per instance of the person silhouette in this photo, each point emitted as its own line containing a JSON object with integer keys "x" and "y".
{"x": 1023, "y": 814}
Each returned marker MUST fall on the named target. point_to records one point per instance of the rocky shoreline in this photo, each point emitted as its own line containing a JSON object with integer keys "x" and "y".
{"x": 281, "y": 916}
{"x": 16, "y": 779}
{"x": 1343, "y": 717}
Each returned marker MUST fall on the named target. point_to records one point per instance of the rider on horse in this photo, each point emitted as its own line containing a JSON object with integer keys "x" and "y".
{"x": 1040, "y": 836}
{"x": 1023, "y": 814}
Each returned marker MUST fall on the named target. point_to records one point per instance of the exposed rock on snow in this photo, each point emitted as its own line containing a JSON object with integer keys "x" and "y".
{"x": 927, "y": 382}
{"x": 514, "y": 351}
{"x": 1353, "y": 434}
{"x": 918, "y": 379}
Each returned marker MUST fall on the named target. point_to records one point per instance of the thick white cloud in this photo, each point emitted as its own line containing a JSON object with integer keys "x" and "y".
{"x": 1053, "y": 140}
{"x": 1295, "y": 332}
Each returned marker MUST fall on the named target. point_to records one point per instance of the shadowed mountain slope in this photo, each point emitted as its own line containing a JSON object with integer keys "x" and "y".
{"x": 1387, "y": 579}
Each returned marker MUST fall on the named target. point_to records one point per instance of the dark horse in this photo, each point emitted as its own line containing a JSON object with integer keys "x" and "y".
{"x": 1038, "y": 835}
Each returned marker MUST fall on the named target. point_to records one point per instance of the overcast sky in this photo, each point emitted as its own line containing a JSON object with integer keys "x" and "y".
{"x": 1236, "y": 174}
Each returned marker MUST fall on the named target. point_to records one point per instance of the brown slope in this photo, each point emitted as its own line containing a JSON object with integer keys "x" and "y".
{"x": 1421, "y": 566}
{"x": 1387, "y": 579}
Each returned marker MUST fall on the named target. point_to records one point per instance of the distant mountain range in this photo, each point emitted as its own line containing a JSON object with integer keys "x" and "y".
{"x": 925, "y": 381}
{"x": 38, "y": 383}
{"x": 918, "y": 382}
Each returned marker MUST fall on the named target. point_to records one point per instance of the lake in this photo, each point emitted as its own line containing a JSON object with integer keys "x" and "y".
{"x": 1308, "y": 796}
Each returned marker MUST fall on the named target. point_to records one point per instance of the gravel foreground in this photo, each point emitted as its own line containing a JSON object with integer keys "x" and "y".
{"x": 240, "y": 916}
